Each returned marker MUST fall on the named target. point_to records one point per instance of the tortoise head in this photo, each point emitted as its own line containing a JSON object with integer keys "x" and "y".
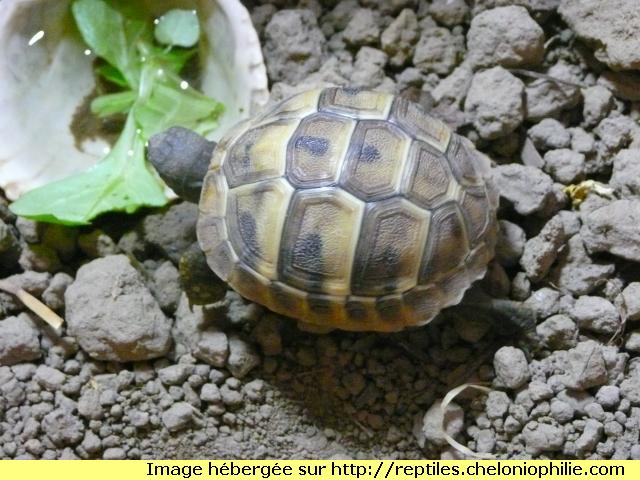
{"x": 181, "y": 157}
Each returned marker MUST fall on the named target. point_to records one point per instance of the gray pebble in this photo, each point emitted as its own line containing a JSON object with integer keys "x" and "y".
{"x": 510, "y": 365}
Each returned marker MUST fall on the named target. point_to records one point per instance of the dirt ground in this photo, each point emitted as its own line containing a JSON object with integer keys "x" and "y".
{"x": 548, "y": 89}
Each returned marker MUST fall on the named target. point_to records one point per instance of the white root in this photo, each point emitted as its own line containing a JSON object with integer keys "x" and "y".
{"x": 33, "y": 304}
{"x": 448, "y": 398}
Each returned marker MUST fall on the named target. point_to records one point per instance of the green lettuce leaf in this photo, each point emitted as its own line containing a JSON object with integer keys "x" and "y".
{"x": 178, "y": 28}
{"x": 122, "y": 181}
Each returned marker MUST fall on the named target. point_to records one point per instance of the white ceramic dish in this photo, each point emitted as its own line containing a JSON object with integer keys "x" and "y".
{"x": 44, "y": 77}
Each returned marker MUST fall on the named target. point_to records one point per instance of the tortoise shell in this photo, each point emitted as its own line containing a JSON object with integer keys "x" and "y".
{"x": 349, "y": 209}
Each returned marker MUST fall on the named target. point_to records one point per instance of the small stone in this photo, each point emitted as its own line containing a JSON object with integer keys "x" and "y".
{"x": 505, "y": 36}
{"x": 527, "y": 188}
{"x": 625, "y": 177}
{"x": 598, "y": 102}
{"x": 449, "y": 12}
{"x": 495, "y": 116}
{"x": 18, "y": 340}
{"x": 210, "y": 393}
{"x": 558, "y": 332}
{"x": 362, "y": 29}
{"x": 62, "y": 428}
{"x": 585, "y": 366}
{"x": 166, "y": 286}
{"x": 255, "y": 390}
{"x": 231, "y": 398}
{"x": 138, "y": 419}
{"x": 178, "y": 417}
{"x": 540, "y": 251}
{"x": 612, "y": 229}
{"x": 175, "y": 374}
{"x": 114, "y": 453}
{"x": 242, "y": 357}
{"x": 368, "y": 68}
{"x": 608, "y": 396}
{"x": 582, "y": 141}
{"x": 510, "y": 245}
{"x": 173, "y": 230}
{"x": 453, "y": 89}
{"x": 632, "y": 343}
{"x": 546, "y": 98}
{"x": 511, "y": 368}
{"x": 629, "y": 301}
{"x": 545, "y": 302}
{"x": 91, "y": 442}
{"x": 438, "y": 51}
{"x": 564, "y": 165}
{"x": 590, "y": 437}
{"x": 595, "y": 411}
{"x": 561, "y": 411}
{"x": 399, "y": 38}
{"x": 549, "y": 134}
{"x": 630, "y": 390}
{"x": 576, "y": 272}
{"x": 30, "y": 230}
{"x": 53, "y": 296}
{"x": 49, "y": 378}
{"x": 89, "y": 404}
{"x": 541, "y": 437}
{"x": 497, "y": 405}
{"x": 596, "y": 314}
{"x": 432, "y": 423}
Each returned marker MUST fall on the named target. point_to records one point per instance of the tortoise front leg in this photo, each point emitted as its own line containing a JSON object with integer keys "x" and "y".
{"x": 201, "y": 285}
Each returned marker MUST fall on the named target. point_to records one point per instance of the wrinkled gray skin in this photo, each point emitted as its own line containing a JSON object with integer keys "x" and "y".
{"x": 181, "y": 157}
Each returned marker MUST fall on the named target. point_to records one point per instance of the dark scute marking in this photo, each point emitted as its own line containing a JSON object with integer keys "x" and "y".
{"x": 307, "y": 253}
{"x": 320, "y": 305}
{"x": 356, "y": 310}
{"x": 282, "y": 297}
{"x": 369, "y": 154}
{"x": 351, "y": 90}
{"x": 246, "y": 156}
{"x": 387, "y": 266}
{"x": 388, "y": 309}
{"x": 247, "y": 225}
{"x": 316, "y": 146}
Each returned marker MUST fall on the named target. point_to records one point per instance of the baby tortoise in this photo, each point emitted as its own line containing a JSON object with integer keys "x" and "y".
{"x": 340, "y": 207}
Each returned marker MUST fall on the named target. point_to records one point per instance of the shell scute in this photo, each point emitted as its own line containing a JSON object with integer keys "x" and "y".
{"x": 259, "y": 154}
{"x": 390, "y": 247}
{"x": 428, "y": 180}
{"x": 375, "y": 160}
{"x": 356, "y": 103}
{"x": 448, "y": 244}
{"x": 413, "y": 119}
{"x": 319, "y": 240}
{"x": 317, "y": 149}
{"x": 256, "y": 215}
